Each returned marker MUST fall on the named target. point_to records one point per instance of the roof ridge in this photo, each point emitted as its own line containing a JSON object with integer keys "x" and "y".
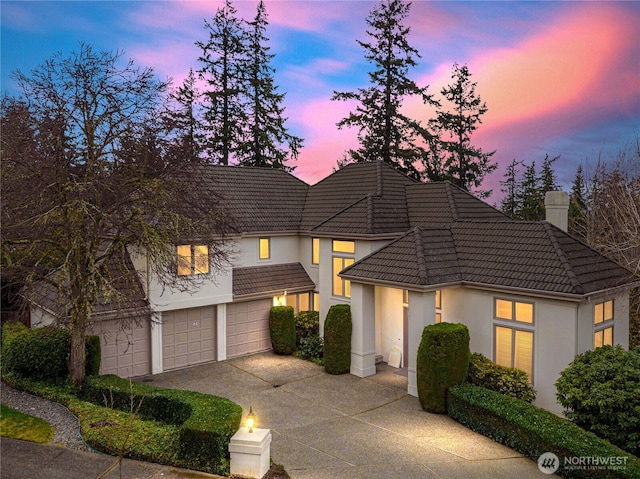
{"x": 452, "y": 203}
{"x": 575, "y": 282}
{"x": 422, "y": 265}
{"x": 338, "y": 213}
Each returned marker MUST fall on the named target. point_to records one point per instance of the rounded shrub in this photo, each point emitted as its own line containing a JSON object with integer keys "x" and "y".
{"x": 600, "y": 391}
{"x": 442, "y": 361}
{"x": 282, "y": 329}
{"x": 508, "y": 381}
{"x": 40, "y": 353}
{"x": 337, "y": 339}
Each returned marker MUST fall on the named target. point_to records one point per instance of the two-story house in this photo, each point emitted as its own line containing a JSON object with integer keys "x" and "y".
{"x": 403, "y": 254}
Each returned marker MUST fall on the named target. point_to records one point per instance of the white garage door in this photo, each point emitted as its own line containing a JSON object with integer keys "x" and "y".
{"x": 188, "y": 337}
{"x": 126, "y": 348}
{"x": 248, "y": 327}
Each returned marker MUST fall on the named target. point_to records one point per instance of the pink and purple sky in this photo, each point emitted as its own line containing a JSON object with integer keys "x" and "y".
{"x": 559, "y": 78}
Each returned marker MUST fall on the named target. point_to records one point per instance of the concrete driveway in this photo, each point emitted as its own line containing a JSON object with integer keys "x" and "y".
{"x": 328, "y": 426}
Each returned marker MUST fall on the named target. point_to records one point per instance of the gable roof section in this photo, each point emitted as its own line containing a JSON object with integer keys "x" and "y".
{"x": 270, "y": 279}
{"x": 510, "y": 254}
{"x": 258, "y": 199}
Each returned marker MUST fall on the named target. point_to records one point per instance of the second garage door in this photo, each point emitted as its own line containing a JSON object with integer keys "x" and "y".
{"x": 188, "y": 337}
{"x": 248, "y": 327}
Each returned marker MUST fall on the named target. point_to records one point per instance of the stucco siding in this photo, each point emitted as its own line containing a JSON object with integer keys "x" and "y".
{"x": 389, "y": 320}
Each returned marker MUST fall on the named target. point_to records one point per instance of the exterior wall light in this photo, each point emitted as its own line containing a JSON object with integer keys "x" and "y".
{"x": 251, "y": 419}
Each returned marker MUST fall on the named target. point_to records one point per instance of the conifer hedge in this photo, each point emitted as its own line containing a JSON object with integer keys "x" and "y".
{"x": 282, "y": 329}
{"x": 442, "y": 361}
{"x": 337, "y": 339}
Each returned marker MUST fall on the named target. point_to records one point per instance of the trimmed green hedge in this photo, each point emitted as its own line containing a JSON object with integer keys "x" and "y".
{"x": 206, "y": 423}
{"x": 282, "y": 329}
{"x": 337, "y": 339}
{"x": 442, "y": 361}
{"x": 43, "y": 353}
{"x": 532, "y": 431}
{"x": 510, "y": 381}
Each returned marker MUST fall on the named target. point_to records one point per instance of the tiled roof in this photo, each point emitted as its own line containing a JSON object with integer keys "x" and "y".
{"x": 510, "y": 254}
{"x": 127, "y": 294}
{"x": 253, "y": 280}
{"x": 258, "y": 199}
{"x": 342, "y": 200}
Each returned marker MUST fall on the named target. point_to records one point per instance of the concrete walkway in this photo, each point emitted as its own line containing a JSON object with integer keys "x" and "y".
{"x": 328, "y": 426}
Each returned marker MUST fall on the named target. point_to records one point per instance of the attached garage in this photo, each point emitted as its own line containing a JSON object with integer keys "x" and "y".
{"x": 126, "y": 347}
{"x": 248, "y": 327}
{"x": 188, "y": 337}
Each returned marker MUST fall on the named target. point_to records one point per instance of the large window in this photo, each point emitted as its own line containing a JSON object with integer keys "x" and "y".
{"x": 344, "y": 252}
{"x": 265, "y": 248}
{"x": 514, "y": 335}
{"x": 603, "y": 324}
{"x": 193, "y": 259}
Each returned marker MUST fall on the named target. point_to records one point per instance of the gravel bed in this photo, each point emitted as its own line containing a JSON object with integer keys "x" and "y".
{"x": 66, "y": 425}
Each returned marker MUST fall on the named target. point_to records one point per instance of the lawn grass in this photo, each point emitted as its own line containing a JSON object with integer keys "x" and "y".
{"x": 17, "y": 425}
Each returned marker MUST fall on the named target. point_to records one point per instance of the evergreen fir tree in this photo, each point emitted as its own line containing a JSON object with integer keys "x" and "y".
{"x": 463, "y": 164}
{"x": 183, "y": 121}
{"x": 384, "y": 132}
{"x": 266, "y": 141}
{"x": 510, "y": 186}
{"x": 548, "y": 180}
{"x": 578, "y": 206}
{"x": 529, "y": 197}
{"x": 223, "y": 63}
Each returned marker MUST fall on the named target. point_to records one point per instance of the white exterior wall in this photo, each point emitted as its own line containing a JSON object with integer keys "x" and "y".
{"x": 389, "y": 321}
{"x": 284, "y": 249}
{"x": 40, "y": 317}
{"x": 421, "y": 308}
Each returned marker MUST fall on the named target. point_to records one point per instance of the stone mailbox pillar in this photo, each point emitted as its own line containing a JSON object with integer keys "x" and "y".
{"x": 250, "y": 452}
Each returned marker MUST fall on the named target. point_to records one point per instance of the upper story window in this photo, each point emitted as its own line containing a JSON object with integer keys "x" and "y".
{"x": 193, "y": 259}
{"x": 603, "y": 324}
{"x": 315, "y": 250}
{"x": 343, "y": 256}
{"x": 264, "y": 246}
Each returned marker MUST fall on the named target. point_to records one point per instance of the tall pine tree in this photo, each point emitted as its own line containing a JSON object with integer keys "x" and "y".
{"x": 462, "y": 164}
{"x": 223, "y": 63}
{"x": 266, "y": 141}
{"x": 510, "y": 186}
{"x": 578, "y": 206}
{"x": 384, "y": 132}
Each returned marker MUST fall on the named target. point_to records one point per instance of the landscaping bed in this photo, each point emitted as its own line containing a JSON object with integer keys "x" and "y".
{"x": 533, "y": 431}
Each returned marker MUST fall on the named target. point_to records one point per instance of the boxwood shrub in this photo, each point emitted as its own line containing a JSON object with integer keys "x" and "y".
{"x": 282, "y": 329}
{"x": 206, "y": 423}
{"x": 532, "y": 431}
{"x": 442, "y": 361}
{"x": 337, "y": 339}
{"x": 510, "y": 381}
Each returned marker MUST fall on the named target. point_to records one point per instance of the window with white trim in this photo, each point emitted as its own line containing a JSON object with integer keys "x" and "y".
{"x": 603, "y": 324}
{"x": 438, "y": 306}
{"x": 315, "y": 251}
{"x": 514, "y": 335}
{"x": 344, "y": 255}
{"x": 193, "y": 259}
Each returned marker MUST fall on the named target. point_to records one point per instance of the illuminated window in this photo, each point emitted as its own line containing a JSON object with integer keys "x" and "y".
{"x": 514, "y": 310}
{"x": 514, "y": 349}
{"x": 193, "y": 259}
{"x": 603, "y": 327}
{"x": 315, "y": 250}
{"x": 341, "y": 287}
{"x": 344, "y": 246}
{"x": 316, "y": 301}
{"x": 265, "y": 248}
{"x": 438, "y": 306}
{"x": 514, "y": 345}
{"x": 299, "y": 302}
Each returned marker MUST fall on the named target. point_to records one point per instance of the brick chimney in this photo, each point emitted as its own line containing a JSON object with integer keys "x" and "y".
{"x": 556, "y": 204}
